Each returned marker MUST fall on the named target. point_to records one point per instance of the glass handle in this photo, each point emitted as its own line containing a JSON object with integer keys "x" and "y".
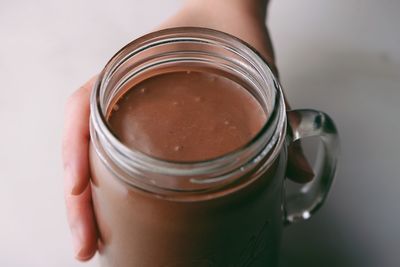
{"x": 310, "y": 197}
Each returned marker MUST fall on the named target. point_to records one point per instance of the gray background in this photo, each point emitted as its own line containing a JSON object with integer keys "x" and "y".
{"x": 340, "y": 56}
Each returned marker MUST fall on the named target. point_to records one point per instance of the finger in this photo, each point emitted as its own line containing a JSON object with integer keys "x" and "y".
{"x": 82, "y": 224}
{"x": 76, "y": 140}
{"x": 298, "y": 169}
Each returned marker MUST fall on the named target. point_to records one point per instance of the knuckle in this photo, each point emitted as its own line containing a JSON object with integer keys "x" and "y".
{"x": 64, "y": 154}
{"x": 74, "y": 97}
{"x": 83, "y": 91}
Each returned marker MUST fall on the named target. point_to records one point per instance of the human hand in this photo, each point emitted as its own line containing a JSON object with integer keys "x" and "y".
{"x": 242, "y": 18}
{"x": 77, "y": 190}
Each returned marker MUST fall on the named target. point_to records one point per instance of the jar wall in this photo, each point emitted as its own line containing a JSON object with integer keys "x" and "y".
{"x": 137, "y": 228}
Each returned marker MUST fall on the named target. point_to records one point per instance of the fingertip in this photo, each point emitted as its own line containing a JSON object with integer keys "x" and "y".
{"x": 85, "y": 254}
{"x": 300, "y": 174}
{"x": 84, "y": 247}
{"x": 82, "y": 224}
{"x": 299, "y": 169}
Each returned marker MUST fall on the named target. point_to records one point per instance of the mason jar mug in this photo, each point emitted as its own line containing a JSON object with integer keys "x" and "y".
{"x": 226, "y": 211}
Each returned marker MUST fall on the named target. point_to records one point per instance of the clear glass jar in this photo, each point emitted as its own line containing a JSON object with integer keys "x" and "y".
{"x": 227, "y": 211}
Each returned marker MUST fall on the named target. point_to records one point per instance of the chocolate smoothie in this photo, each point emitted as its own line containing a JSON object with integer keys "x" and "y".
{"x": 187, "y": 116}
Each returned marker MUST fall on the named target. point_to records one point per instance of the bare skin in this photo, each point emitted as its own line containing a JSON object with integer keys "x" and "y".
{"x": 242, "y": 18}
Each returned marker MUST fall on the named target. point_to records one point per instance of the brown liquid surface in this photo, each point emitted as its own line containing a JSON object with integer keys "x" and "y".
{"x": 186, "y": 116}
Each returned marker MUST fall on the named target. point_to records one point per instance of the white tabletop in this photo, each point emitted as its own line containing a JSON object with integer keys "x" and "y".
{"x": 342, "y": 57}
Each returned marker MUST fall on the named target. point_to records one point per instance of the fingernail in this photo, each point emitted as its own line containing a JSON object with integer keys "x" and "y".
{"x": 77, "y": 241}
